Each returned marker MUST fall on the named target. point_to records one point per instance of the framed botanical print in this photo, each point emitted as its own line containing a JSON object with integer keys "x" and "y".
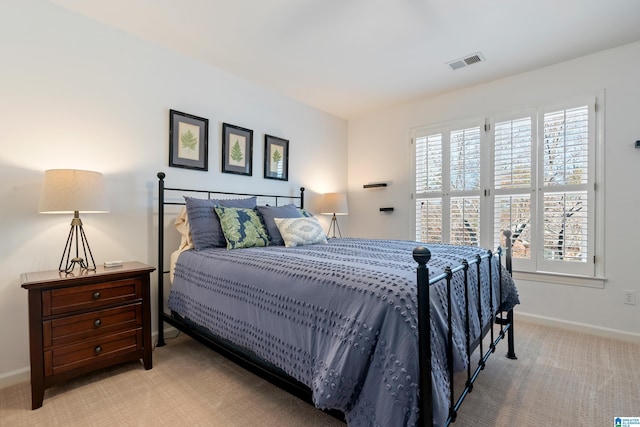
{"x": 276, "y": 158}
{"x": 188, "y": 141}
{"x": 237, "y": 150}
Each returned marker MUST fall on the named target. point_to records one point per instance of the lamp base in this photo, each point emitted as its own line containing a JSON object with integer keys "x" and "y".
{"x": 67, "y": 264}
{"x": 333, "y": 225}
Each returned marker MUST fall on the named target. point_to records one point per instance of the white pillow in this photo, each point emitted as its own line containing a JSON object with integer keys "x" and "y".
{"x": 300, "y": 231}
{"x": 182, "y": 225}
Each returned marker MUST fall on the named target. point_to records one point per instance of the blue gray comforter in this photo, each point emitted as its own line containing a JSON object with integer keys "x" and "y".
{"x": 340, "y": 318}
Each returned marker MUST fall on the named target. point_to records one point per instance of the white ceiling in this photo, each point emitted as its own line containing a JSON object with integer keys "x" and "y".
{"x": 350, "y": 57}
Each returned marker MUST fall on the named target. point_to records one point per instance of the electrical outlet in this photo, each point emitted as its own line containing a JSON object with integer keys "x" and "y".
{"x": 630, "y": 297}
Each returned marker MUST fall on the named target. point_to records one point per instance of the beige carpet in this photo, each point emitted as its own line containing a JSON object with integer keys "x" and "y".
{"x": 560, "y": 379}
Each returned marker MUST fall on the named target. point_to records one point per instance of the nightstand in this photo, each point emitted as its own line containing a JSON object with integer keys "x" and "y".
{"x": 86, "y": 320}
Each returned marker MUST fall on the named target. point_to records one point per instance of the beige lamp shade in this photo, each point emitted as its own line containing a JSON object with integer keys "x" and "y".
{"x": 70, "y": 190}
{"x": 334, "y": 204}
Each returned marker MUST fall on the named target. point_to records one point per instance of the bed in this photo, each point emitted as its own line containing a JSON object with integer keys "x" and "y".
{"x": 339, "y": 322}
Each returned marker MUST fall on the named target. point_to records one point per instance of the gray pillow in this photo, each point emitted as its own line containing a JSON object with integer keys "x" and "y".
{"x": 204, "y": 222}
{"x": 268, "y": 214}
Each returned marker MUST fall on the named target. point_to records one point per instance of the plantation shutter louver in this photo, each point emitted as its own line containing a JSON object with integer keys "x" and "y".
{"x": 567, "y": 190}
{"x": 429, "y": 183}
{"x": 512, "y": 183}
{"x": 448, "y": 186}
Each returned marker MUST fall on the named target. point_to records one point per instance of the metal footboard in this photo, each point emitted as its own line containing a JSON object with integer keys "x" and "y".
{"x": 422, "y": 255}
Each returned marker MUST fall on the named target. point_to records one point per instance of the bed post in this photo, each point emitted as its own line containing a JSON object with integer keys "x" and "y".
{"x": 511, "y": 353}
{"x": 422, "y": 255}
{"x": 301, "y": 197}
{"x": 160, "y": 269}
{"x": 508, "y": 250}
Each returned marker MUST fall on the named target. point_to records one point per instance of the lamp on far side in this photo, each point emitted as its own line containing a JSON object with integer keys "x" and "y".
{"x": 334, "y": 204}
{"x": 74, "y": 191}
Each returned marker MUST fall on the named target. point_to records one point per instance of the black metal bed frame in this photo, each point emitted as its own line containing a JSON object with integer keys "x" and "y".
{"x": 421, "y": 255}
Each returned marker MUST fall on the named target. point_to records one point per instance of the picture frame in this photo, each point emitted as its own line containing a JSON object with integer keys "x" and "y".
{"x": 188, "y": 141}
{"x": 276, "y": 158}
{"x": 237, "y": 150}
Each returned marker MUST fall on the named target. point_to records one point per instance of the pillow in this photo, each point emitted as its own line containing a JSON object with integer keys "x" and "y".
{"x": 248, "y": 203}
{"x": 300, "y": 231}
{"x": 268, "y": 214}
{"x": 242, "y": 227}
{"x": 304, "y": 212}
{"x": 204, "y": 223}
{"x": 182, "y": 225}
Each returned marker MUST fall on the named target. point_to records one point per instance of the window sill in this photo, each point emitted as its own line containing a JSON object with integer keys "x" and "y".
{"x": 560, "y": 279}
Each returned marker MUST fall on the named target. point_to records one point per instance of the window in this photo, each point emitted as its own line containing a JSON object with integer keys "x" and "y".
{"x": 513, "y": 164}
{"x": 532, "y": 173}
{"x": 448, "y": 184}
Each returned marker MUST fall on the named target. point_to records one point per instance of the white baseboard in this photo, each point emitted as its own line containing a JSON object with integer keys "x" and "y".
{"x": 15, "y": 377}
{"x": 169, "y": 333}
{"x": 576, "y": 327}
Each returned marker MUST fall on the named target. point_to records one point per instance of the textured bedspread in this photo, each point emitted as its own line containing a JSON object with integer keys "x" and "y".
{"x": 340, "y": 318}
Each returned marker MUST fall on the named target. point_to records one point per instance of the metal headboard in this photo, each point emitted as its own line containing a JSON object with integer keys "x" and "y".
{"x": 178, "y": 200}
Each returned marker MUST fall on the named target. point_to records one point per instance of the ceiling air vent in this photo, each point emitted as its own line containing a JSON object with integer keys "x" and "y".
{"x": 468, "y": 60}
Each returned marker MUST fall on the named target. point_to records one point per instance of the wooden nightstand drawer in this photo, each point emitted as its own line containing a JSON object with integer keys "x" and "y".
{"x": 70, "y": 357}
{"x": 80, "y": 327}
{"x": 87, "y": 297}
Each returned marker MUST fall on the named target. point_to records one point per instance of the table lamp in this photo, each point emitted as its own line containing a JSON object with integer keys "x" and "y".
{"x": 74, "y": 191}
{"x": 334, "y": 204}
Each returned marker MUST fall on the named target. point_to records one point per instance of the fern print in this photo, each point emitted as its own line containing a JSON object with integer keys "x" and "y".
{"x": 189, "y": 140}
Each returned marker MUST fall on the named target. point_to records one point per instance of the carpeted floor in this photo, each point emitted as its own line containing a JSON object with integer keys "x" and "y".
{"x": 561, "y": 378}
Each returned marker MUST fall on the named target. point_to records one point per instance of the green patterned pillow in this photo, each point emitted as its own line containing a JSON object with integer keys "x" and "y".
{"x": 242, "y": 228}
{"x": 300, "y": 231}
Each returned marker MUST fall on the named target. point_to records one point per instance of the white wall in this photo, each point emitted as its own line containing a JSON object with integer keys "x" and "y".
{"x": 379, "y": 149}
{"x": 77, "y": 94}
{"x": 74, "y": 93}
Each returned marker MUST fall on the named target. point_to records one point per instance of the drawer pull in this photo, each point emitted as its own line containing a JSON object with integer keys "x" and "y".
{"x": 97, "y": 322}
{"x": 97, "y": 350}
{"x": 96, "y": 295}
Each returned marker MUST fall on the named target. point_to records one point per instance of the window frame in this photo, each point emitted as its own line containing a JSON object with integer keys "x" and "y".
{"x": 522, "y": 264}
{"x": 591, "y": 271}
{"x": 445, "y": 192}
{"x": 587, "y": 268}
